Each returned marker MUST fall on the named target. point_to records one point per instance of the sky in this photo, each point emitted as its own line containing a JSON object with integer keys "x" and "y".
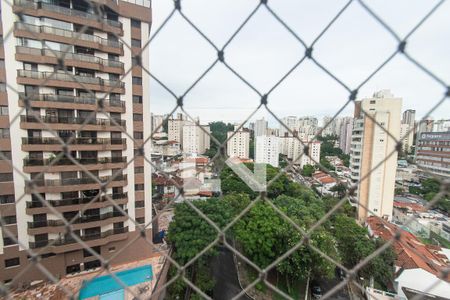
{"x": 264, "y": 51}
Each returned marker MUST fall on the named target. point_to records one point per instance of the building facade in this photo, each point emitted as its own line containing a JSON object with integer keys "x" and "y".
{"x": 260, "y": 127}
{"x": 433, "y": 153}
{"x": 157, "y": 122}
{"x": 345, "y": 134}
{"x": 175, "y": 128}
{"x": 64, "y": 79}
{"x": 373, "y": 157}
{"x": 195, "y": 139}
{"x": 239, "y": 144}
{"x": 267, "y": 150}
{"x": 407, "y": 136}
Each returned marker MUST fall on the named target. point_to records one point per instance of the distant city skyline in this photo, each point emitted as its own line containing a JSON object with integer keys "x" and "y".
{"x": 264, "y": 51}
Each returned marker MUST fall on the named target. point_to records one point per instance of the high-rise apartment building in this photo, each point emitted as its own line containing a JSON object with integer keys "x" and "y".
{"x": 260, "y": 127}
{"x": 409, "y": 117}
{"x": 433, "y": 150}
{"x": 407, "y": 136}
{"x": 157, "y": 122}
{"x": 345, "y": 134}
{"x": 195, "y": 139}
{"x": 267, "y": 150}
{"x": 371, "y": 160}
{"x": 291, "y": 123}
{"x": 239, "y": 144}
{"x": 293, "y": 149}
{"x": 175, "y": 128}
{"x": 328, "y": 126}
{"x": 58, "y": 81}
{"x": 407, "y": 129}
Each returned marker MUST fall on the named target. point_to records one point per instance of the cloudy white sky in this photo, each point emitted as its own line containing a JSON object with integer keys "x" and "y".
{"x": 264, "y": 51}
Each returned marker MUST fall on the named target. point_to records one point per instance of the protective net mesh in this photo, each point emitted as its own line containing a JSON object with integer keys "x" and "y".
{"x": 63, "y": 72}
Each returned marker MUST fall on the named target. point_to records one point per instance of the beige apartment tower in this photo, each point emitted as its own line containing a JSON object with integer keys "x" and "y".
{"x": 59, "y": 102}
{"x": 370, "y": 150}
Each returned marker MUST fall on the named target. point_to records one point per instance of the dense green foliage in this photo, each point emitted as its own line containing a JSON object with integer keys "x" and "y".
{"x": 308, "y": 170}
{"x": 264, "y": 235}
{"x": 354, "y": 245}
{"x": 430, "y": 187}
{"x": 219, "y": 131}
{"x": 327, "y": 148}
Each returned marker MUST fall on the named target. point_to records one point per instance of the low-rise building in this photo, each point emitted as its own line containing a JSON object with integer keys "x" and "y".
{"x": 433, "y": 153}
{"x": 418, "y": 266}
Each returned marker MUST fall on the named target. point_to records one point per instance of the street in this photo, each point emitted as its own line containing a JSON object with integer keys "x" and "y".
{"x": 225, "y": 274}
{"x": 328, "y": 284}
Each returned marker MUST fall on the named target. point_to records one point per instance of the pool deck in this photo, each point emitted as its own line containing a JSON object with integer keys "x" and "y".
{"x": 73, "y": 283}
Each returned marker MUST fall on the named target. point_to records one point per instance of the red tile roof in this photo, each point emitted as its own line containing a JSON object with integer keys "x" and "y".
{"x": 411, "y": 252}
{"x": 412, "y": 206}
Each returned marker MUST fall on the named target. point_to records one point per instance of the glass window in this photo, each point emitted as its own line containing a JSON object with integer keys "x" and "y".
{"x": 139, "y": 135}
{"x": 9, "y": 220}
{"x": 6, "y": 199}
{"x": 137, "y": 117}
{"x": 4, "y": 133}
{"x": 135, "y": 23}
{"x": 137, "y": 80}
{"x": 137, "y": 99}
{"x": 5, "y": 177}
{"x": 12, "y": 262}
{"x": 135, "y": 43}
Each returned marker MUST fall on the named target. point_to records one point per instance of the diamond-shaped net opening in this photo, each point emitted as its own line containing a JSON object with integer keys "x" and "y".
{"x": 93, "y": 182}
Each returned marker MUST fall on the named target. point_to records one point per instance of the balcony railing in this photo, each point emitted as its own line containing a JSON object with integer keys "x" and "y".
{"x": 68, "y": 34}
{"x": 79, "y": 220}
{"x": 87, "y": 237}
{"x": 65, "y": 11}
{"x": 71, "y": 99}
{"x": 75, "y": 141}
{"x": 69, "y": 77}
{"x": 71, "y": 120}
{"x": 66, "y": 161}
{"x": 76, "y": 201}
{"x": 69, "y": 56}
{"x": 77, "y": 181}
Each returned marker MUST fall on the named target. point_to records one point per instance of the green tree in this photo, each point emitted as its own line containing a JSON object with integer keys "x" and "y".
{"x": 308, "y": 170}
{"x": 340, "y": 189}
{"x": 189, "y": 233}
{"x": 352, "y": 240}
{"x": 260, "y": 234}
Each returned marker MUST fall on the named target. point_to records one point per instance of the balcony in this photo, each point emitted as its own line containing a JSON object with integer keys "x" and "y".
{"x": 77, "y": 181}
{"x": 75, "y": 141}
{"x": 76, "y": 201}
{"x": 79, "y": 220}
{"x": 65, "y": 11}
{"x": 71, "y": 102}
{"x": 62, "y": 241}
{"x": 70, "y": 59}
{"x": 70, "y": 123}
{"x": 52, "y": 165}
{"x": 66, "y": 161}
{"x": 47, "y": 76}
{"x": 68, "y": 34}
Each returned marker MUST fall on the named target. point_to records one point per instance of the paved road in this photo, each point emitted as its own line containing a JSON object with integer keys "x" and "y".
{"x": 225, "y": 274}
{"x": 329, "y": 284}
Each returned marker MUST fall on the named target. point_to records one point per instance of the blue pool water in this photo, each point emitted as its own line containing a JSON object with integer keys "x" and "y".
{"x": 116, "y": 295}
{"x": 108, "y": 288}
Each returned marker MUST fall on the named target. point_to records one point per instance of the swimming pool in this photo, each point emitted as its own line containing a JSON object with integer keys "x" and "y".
{"x": 105, "y": 286}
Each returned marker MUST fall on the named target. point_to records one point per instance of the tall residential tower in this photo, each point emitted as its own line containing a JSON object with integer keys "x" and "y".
{"x": 373, "y": 155}
{"x": 64, "y": 64}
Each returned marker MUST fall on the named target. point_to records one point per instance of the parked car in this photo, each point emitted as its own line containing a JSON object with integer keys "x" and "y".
{"x": 316, "y": 291}
{"x": 340, "y": 273}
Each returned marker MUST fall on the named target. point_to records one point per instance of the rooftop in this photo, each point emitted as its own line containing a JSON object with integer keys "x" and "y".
{"x": 411, "y": 252}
